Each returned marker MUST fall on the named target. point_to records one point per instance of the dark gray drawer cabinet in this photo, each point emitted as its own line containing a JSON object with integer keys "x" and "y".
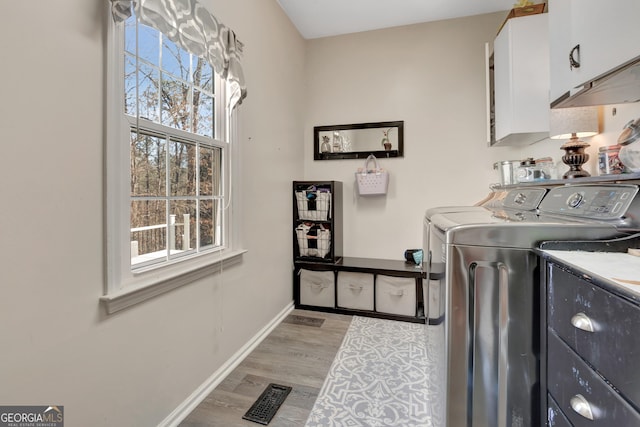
{"x": 613, "y": 347}
{"x": 593, "y": 352}
{"x": 578, "y": 389}
{"x": 555, "y": 416}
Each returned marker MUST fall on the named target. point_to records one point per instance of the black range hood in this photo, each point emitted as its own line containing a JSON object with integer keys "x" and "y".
{"x": 620, "y": 85}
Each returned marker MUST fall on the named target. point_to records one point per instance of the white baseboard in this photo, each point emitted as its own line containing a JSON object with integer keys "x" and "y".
{"x": 186, "y": 407}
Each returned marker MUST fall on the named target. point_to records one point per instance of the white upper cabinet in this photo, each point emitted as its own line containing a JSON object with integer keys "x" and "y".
{"x": 607, "y": 33}
{"x": 559, "y": 48}
{"x": 521, "y": 81}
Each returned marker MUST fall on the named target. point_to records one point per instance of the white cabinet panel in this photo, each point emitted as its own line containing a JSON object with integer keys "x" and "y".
{"x": 607, "y": 33}
{"x": 559, "y": 48}
{"x": 521, "y": 76}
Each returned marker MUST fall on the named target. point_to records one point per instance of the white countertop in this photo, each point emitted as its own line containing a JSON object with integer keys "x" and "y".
{"x": 616, "y": 267}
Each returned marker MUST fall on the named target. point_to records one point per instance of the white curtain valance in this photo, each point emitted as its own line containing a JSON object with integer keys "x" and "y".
{"x": 192, "y": 27}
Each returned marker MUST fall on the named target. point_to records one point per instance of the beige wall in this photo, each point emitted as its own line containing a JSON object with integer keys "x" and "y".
{"x": 58, "y": 347}
{"x": 432, "y": 76}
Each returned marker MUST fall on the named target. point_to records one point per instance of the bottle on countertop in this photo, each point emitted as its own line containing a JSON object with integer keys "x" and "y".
{"x": 609, "y": 162}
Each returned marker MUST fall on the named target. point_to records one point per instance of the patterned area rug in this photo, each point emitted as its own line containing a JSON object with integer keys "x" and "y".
{"x": 378, "y": 378}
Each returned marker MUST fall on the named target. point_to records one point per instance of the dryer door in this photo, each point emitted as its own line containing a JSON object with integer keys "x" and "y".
{"x": 491, "y": 317}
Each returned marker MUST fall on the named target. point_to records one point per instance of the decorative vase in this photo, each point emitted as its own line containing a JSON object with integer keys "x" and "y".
{"x": 575, "y": 157}
{"x": 337, "y": 142}
{"x": 385, "y": 139}
{"x": 326, "y": 146}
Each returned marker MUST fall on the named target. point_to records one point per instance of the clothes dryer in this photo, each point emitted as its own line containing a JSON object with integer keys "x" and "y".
{"x": 485, "y": 341}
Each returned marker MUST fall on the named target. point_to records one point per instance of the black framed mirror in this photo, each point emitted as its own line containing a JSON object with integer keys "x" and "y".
{"x": 358, "y": 141}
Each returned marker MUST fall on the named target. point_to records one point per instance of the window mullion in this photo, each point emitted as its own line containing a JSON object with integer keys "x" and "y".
{"x": 197, "y": 197}
{"x": 168, "y": 194}
{"x": 191, "y": 83}
{"x": 160, "y": 78}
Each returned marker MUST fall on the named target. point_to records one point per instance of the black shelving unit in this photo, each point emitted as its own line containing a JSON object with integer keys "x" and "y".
{"x": 392, "y": 289}
{"x": 317, "y": 221}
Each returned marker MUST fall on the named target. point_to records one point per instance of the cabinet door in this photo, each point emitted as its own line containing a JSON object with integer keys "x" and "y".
{"x": 559, "y": 48}
{"x": 521, "y": 75}
{"x": 607, "y": 32}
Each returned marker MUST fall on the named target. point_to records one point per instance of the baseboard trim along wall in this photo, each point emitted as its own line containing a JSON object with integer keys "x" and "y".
{"x": 186, "y": 407}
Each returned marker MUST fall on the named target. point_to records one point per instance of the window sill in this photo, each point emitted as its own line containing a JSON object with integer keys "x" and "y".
{"x": 125, "y": 298}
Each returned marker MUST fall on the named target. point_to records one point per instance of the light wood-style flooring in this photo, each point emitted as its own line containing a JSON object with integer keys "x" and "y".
{"x": 297, "y": 353}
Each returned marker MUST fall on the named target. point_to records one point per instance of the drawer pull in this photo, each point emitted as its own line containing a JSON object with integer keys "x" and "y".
{"x": 581, "y": 406}
{"x": 396, "y": 293}
{"x": 355, "y": 287}
{"x": 583, "y": 322}
{"x": 318, "y": 286}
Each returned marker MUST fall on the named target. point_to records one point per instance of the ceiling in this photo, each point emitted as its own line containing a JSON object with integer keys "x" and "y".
{"x": 322, "y": 18}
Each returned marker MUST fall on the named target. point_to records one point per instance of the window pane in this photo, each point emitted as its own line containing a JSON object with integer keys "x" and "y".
{"x": 203, "y": 75}
{"x": 130, "y": 35}
{"x": 210, "y": 223}
{"x": 149, "y": 41}
{"x": 130, "y": 83}
{"x": 210, "y": 171}
{"x": 148, "y": 231}
{"x": 148, "y": 93}
{"x": 182, "y": 172}
{"x": 182, "y": 231}
{"x": 149, "y": 44}
{"x": 175, "y": 60}
{"x": 148, "y": 165}
{"x": 203, "y": 113}
{"x": 176, "y": 104}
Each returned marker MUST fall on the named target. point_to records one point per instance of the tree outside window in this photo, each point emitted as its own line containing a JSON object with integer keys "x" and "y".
{"x": 176, "y": 162}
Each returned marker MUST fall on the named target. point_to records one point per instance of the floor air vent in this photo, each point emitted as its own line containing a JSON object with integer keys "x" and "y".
{"x": 263, "y": 410}
{"x": 303, "y": 320}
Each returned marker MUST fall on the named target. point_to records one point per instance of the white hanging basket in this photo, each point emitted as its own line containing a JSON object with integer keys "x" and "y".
{"x": 372, "y": 181}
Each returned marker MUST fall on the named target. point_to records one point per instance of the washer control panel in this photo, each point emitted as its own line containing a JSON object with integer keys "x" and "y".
{"x": 605, "y": 202}
{"x": 524, "y": 199}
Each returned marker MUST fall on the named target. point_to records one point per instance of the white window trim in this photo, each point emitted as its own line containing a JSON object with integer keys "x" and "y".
{"x": 124, "y": 287}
